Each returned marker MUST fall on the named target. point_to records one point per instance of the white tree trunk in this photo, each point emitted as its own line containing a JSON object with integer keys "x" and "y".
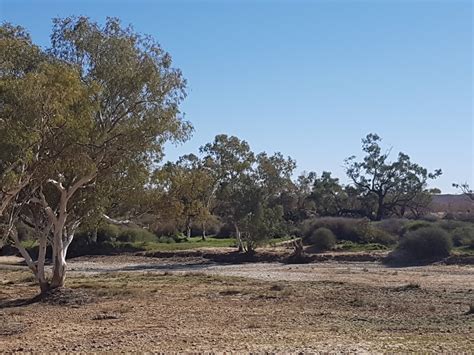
{"x": 238, "y": 235}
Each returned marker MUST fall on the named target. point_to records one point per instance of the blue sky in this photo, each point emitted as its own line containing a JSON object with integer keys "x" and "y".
{"x": 310, "y": 78}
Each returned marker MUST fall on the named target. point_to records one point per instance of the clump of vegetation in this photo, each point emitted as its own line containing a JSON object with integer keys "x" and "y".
{"x": 107, "y": 233}
{"x": 343, "y": 228}
{"x": 349, "y": 229}
{"x": 133, "y": 235}
{"x": 422, "y": 245}
{"x": 463, "y": 236}
{"x": 415, "y": 225}
{"x": 323, "y": 239}
{"x": 393, "y": 226}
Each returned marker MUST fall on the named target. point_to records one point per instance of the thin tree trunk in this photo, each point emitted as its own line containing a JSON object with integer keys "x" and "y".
{"x": 203, "y": 231}
{"x": 380, "y": 209}
{"x": 238, "y": 235}
{"x": 24, "y": 253}
{"x": 43, "y": 242}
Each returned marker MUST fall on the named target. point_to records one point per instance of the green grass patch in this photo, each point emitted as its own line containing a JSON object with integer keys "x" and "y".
{"x": 461, "y": 251}
{"x": 351, "y": 246}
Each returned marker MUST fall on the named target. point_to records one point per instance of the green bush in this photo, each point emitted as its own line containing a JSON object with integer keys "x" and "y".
{"x": 393, "y": 226}
{"x": 463, "y": 236}
{"x": 323, "y": 239}
{"x": 107, "y": 233}
{"x": 133, "y": 235}
{"x": 166, "y": 239}
{"x": 451, "y": 225}
{"x": 424, "y": 244}
{"x": 415, "y": 225}
{"x": 351, "y": 229}
{"x": 379, "y": 236}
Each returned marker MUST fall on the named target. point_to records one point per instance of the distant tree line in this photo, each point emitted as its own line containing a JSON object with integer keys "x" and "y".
{"x": 257, "y": 195}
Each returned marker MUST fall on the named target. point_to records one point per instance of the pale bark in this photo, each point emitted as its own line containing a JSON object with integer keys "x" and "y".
{"x": 116, "y": 221}
{"x": 62, "y": 230}
{"x": 238, "y": 235}
{"x": 24, "y": 253}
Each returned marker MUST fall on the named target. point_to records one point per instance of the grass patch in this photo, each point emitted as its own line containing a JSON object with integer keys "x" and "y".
{"x": 462, "y": 251}
{"x": 356, "y": 247}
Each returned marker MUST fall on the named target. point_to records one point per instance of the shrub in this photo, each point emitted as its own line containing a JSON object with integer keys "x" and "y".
{"x": 351, "y": 229}
{"x": 166, "y": 239}
{"x": 379, "y": 236}
{"x": 323, "y": 239}
{"x": 225, "y": 231}
{"x": 451, "y": 225}
{"x": 136, "y": 235}
{"x": 166, "y": 229}
{"x": 463, "y": 236}
{"x": 423, "y": 244}
{"x": 107, "y": 233}
{"x": 394, "y": 226}
{"x": 415, "y": 225}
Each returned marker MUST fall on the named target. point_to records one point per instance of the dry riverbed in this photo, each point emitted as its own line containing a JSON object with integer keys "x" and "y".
{"x": 186, "y": 303}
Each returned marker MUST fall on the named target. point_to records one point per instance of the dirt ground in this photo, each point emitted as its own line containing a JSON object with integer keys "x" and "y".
{"x": 189, "y": 304}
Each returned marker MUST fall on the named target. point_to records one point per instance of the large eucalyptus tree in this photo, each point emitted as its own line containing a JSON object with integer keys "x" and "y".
{"x": 109, "y": 99}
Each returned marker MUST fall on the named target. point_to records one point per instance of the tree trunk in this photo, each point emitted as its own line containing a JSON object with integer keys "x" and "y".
{"x": 380, "y": 209}
{"x": 298, "y": 248}
{"x": 43, "y": 243}
{"x": 59, "y": 260}
{"x": 238, "y": 235}
{"x": 203, "y": 231}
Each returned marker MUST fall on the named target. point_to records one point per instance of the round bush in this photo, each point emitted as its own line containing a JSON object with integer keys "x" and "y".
{"x": 426, "y": 243}
{"x": 463, "y": 236}
{"x": 322, "y": 239}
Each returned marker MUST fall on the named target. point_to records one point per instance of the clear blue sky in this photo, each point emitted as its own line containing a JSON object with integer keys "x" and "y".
{"x": 310, "y": 78}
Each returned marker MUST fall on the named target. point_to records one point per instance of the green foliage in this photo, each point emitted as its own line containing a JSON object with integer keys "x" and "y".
{"x": 350, "y": 229}
{"x": 379, "y": 236}
{"x": 415, "y": 225}
{"x": 344, "y": 228}
{"x": 328, "y": 195}
{"x": 351, "y": 246}
{"x": 463, "y": 236}
{"x": 393, "y": 226}
{"x": 107, "y": 233}
{"x": 424, "y": 244}
{"x": 136, "y": 235}
{"x": 323, "y": 239}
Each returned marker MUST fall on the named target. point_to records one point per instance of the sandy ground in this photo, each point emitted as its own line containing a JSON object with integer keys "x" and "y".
{"x": 188, "y": 304}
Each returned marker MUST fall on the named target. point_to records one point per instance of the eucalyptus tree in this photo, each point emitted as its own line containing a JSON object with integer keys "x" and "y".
{"x": 115, "y": 102}
{"x": 186, "y": 185}
{"x": 328, "y": 195}
{"x": 229, "y": 160}
{"x": 252, "y": 202}
{"x": 388, "y": 183}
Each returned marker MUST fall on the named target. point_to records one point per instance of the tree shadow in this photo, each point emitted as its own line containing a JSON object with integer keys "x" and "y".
{"x": 19, "y": 302}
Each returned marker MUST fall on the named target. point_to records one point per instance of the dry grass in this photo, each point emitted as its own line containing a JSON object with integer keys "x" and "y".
{"x": 194, "y": 311}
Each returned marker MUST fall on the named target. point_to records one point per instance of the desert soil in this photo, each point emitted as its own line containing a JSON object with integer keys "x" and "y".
{"x": 139, "y": 303}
